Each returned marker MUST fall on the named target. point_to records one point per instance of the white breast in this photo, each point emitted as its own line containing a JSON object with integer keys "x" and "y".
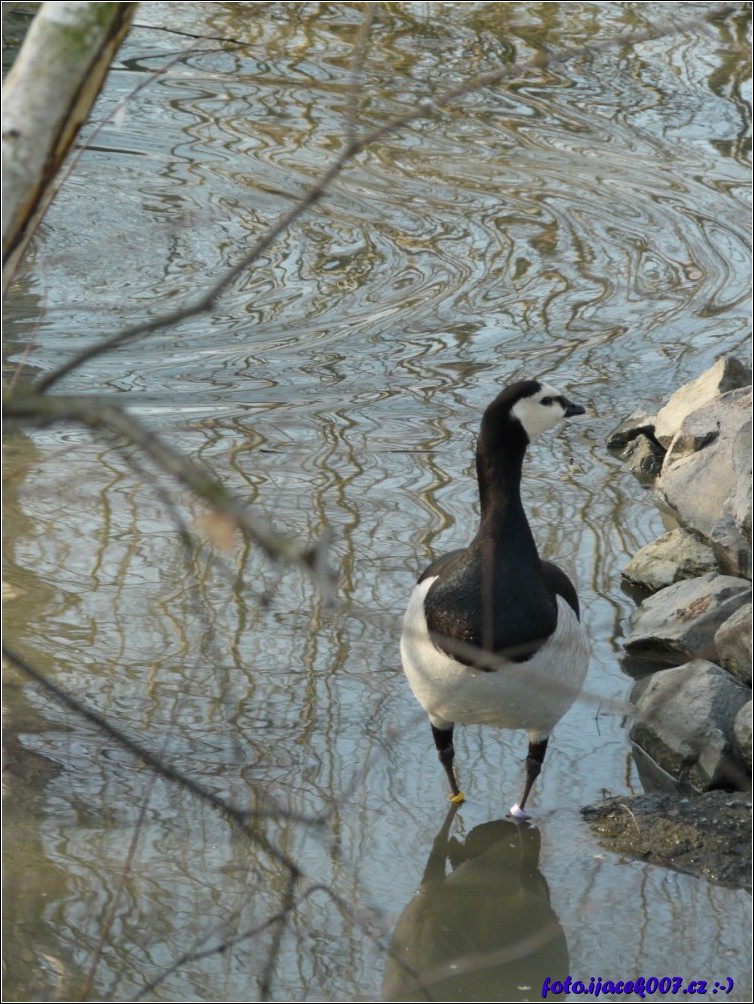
{"x": 532, "y": 695}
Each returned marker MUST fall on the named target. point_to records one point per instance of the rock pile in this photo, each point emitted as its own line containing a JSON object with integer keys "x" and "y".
{"x": 694, "y": 718}
{"x": 697, "y": 452}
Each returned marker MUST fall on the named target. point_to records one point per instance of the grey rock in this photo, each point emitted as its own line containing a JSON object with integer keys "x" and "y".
{"x": 742, "y": 733}
{"x": 699, "y": 483}
{"x": 644, "y": 458}
{"x": 680, "y": 621}
{"x": 740, "y": 499}
{"x": 653, "y": 778}
{"x": 727, "y": 374}
{"x": 639, "y": 422}
{"x": 676, "y": 555}
{"x": 699, "y": 429}
{"x": 723, "y": 416}
{"x": 684, "y": 722}
{"x": 706, "y": 835}
{"x": 733, "y": 644}
{"x": 732, "y": 549}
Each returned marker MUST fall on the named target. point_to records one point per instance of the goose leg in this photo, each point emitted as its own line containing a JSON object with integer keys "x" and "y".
{"x": 533, "y": 766}
{"x": 444, "y": 742}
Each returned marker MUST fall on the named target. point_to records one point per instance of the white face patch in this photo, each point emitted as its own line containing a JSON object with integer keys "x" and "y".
{"x": 539, "y": 412}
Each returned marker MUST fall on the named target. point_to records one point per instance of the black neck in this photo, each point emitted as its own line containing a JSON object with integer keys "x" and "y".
{"x": 499, "y": 463}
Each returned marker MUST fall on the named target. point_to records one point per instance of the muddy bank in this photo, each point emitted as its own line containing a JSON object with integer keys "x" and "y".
{"x": 707, "y": 835}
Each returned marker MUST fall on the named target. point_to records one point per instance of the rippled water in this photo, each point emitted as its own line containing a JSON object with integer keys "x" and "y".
{"x": 586, "y": 224}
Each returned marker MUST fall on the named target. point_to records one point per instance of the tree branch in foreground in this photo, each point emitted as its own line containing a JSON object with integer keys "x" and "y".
{"x": 98, "y": 414}
{"x": 46, "y": 101}
{"x": 241, "y": 818}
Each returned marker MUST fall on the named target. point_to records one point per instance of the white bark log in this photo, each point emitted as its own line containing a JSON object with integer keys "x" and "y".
{"x": 47, "y": 96}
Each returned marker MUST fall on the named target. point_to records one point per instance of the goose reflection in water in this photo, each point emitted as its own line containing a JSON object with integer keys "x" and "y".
{"x": 485, "y": 930}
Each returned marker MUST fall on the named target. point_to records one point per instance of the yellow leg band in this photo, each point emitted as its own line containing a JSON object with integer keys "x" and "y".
{"x": 456, "y": 799}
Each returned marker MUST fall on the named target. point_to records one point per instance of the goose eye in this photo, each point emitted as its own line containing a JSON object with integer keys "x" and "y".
{"x": 547, "y": 401}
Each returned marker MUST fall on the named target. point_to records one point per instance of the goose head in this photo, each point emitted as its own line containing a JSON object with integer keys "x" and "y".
{"x": 533, "y": 406}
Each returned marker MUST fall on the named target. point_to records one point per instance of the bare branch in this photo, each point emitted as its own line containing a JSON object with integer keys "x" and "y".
{"x": 241, "y": 818}
{"x": 98, "y": 414}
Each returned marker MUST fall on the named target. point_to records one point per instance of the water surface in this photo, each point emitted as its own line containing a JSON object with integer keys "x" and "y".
{"x": 586, "y": 225}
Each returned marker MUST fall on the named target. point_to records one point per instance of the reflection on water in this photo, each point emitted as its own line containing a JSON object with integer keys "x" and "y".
{"x": 484, "y": 931}
{"x": 586, "y": 225}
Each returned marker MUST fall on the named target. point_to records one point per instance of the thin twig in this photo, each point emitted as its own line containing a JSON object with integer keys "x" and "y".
{"x": 98, "y": 414}
{"x": 196, "y": 955}
{"x": 633, "y": 817}
{"x": 265, "y": 981}
{"x": 357, "y": 60}
{"x": 122, "y": 878}
{"x": 238, "y": 817}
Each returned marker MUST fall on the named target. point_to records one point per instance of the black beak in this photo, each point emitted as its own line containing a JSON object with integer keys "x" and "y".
{"x": 572, "y": 409}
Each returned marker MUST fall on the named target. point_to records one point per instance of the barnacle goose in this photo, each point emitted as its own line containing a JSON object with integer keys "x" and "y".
{"x": 492, "y": 635}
